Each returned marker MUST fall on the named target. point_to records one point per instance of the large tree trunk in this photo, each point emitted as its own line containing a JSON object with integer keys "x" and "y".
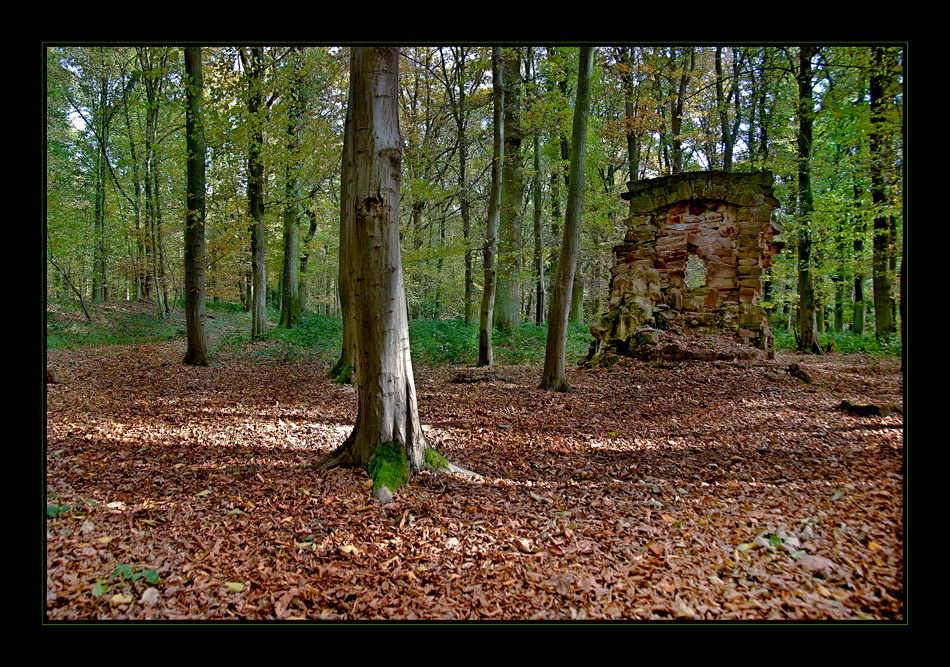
{"x": 553, "y": 377}
{"x": 387, "y": 439}
{"x": 198, "y": 353}
{"x": 485, "y": 352}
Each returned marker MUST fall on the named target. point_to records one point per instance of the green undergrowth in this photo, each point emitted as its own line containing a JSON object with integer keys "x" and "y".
{"x": 434, "y": 342}
{"x": 67, "y": 325}
{"x": 453, "y": 342}
{"x": 845, "y": 343}
{"x": 315, "y": 336}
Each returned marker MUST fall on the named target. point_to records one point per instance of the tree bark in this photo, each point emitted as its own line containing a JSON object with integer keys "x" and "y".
{"x": 198, "y": 353}
{"x": 808, "y": 341}
{"x": 344, "y": 370}
{"x": 553, "y": 376}
{"x": 880, "y": 258}
{"x": 460, "y": 113}
{"x": 508, "y": 296}
{"x": 677, "y": 103}
{"x": 538, "y": 241}
{"x": 388, "y": 417}
{"x": 858, "y": 314}
{"x": 255, "y": 192}
{"x": 485, "y": 352}
{"x": 290, "y": 310}
{"x": 722, "y": 102}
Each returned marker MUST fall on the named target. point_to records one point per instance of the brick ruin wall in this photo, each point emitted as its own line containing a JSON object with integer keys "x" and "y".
{"x": 725, "y": 220}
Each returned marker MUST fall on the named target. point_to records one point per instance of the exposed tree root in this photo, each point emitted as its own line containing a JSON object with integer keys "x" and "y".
{"x": 342, "y": 457}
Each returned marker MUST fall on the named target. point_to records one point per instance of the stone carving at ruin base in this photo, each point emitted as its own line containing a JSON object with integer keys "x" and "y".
{"x": 717, "y": 223}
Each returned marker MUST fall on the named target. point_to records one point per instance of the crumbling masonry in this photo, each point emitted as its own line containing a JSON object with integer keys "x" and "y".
{"x": 723, "y": 220}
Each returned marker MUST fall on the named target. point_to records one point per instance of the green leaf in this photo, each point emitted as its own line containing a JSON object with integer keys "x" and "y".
{"x": 151, "y": 576}
{"x": 98, "y": 589}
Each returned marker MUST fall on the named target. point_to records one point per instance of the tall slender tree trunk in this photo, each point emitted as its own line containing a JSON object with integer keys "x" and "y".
{"x": 722, "y": 103}
{"x": 485, "y": 351}
{"x": 630, "y": 103}
{"x": 99, "y": 289}
{"x": 465, "y": 209}
{"x": 460, "y": 112}
{"x": 808, "y": 341}
{"x": 677, "y": 104}
{"x": 153, "y": 86}
{"x": 198, "y": 353}
{"x": 508, "y": 296}
{"x": 538, "y": 241}
{"x": 858, "y": 314}
{"x": 302, "y": 276}
{"x": 255, "y": 192}
{"x": 464, "y": 203}
{"x": 880, "y": 259}
{"x": 344, "y": 370}
{"x": 554, "y": 376}
{"x": 290, "y": 310}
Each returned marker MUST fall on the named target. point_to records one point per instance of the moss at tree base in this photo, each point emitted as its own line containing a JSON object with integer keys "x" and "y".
{"x": 389, "y": 467}
{"x": 343, "y": 375}
{"x": 435, "y": 461}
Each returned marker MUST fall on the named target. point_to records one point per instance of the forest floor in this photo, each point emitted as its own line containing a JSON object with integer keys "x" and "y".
{"x": 675, "y": 491}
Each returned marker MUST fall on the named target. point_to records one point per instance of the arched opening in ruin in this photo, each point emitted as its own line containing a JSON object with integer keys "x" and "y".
{"x": 695, "y": 273}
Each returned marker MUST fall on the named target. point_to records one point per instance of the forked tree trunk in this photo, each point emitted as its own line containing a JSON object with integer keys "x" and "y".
{"x": 553, "y": 377}
{"x": 485, "y": 352}
{"x": 255, "y": 194}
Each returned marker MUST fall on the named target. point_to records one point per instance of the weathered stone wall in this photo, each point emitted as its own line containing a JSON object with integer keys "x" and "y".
{"x": 725, "y": 220}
